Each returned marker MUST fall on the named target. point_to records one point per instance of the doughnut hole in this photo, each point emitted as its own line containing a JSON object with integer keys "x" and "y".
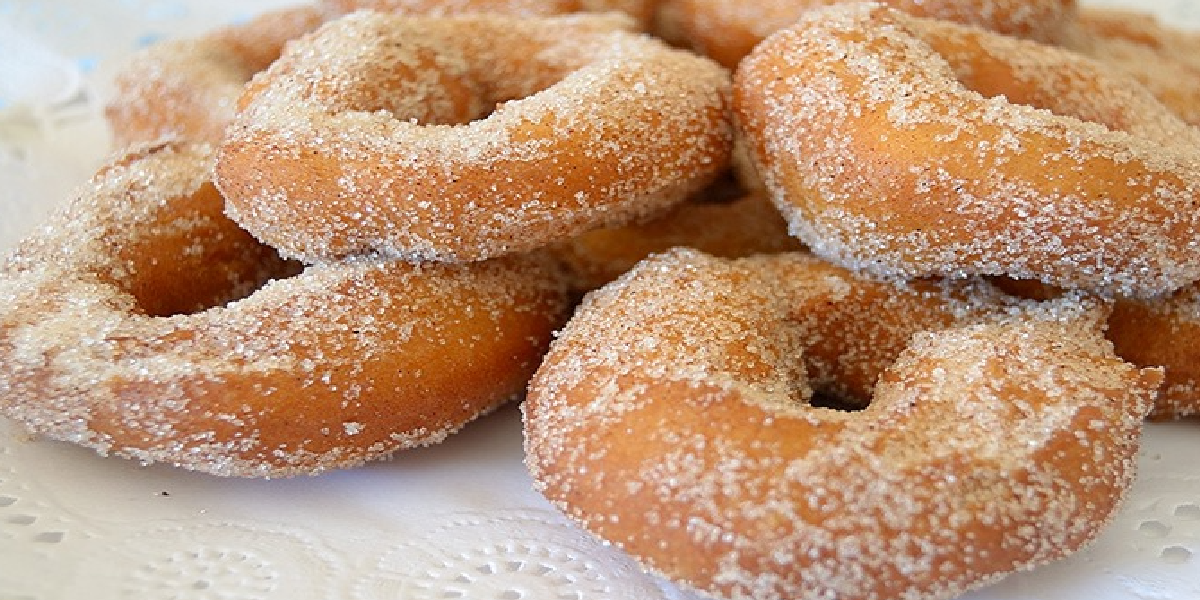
{"x": 853, "y": 333}
{"x": 194, "y": 258}
{"x": 471, "y": 148}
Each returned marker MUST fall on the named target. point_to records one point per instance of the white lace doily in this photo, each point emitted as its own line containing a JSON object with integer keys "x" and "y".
{"x": 455, "y": 521}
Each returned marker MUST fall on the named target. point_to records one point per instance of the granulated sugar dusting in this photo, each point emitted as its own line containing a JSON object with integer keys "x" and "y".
{"x": 278, "y": 372}
{"x": 1163, "y": 59}
{"x": 672, "y": 418}
{"x": 728, "y": 31}
{"x": 494, "y": 135}
{"x": 188, "y": 88}
{"x": 912, "y": 147}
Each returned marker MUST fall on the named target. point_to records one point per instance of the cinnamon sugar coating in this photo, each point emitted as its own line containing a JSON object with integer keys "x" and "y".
{"x": 727, "y": 30}
{"x": 672, "y": 417}
{"x": 743, "y": 226}
{"x": 458, "y": 139}
{"x": 1165, "y": 60}
{"x": 1163, "y": 331}
{"x": 915, "y": 147}
{"x": 188, "y": 88}
{"x": 643, "y": 11}
{"x": 142, "y": 323}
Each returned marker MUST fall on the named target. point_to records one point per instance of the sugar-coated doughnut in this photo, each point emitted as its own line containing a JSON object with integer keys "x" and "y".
{"x": 188, "y": 88}
{"x": 273, "y": 373}
{"x": 1153, "y": 332}
{"x": 641, "y": 10}
{"x": 462, "y": 138}
{"x": 727, "y": 30}
{"x": 672, "y": 418}
{"x": 1165, "y": 60}
{"x": 916, "y": 147}
{"x": 1163, "y": 332}
{"x": 744, "y": 226}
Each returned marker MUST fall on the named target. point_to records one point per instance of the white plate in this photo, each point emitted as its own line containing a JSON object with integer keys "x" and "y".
{"x": 456, "y": 521}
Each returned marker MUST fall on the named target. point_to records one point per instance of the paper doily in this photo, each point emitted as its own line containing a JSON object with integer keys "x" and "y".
{"x": 455, "y": 521}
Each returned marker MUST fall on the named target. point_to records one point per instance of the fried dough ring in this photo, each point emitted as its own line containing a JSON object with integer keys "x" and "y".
{"x": 342, "y": 363}
{"x": 1152, "y": 332}
{"x": 643, "y": 11}
{"x": 915, "y": 147}
{"x": 744, "y": 226}
{"x": 671, "y": 418}
{"x": 1163, "y": 332}
{"x": 339, "y": 149}
{"x": 188, "y": 88}
{"x": 726, "y": 30}
{"x": 1165, "y": 60}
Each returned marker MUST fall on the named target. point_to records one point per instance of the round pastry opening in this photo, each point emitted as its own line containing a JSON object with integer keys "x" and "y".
{"x": 223, "y": 285}
{"x": 195, "y": 260}
{"x": 834, "y": 401}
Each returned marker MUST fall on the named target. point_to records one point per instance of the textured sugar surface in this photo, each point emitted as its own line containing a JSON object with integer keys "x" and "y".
{"x": 73, "y": 336}
{"x": 189, "y": 87}
{"x": 877, "y": 500}
{"x": 1165, "y": 60}
{"x": 613, "y": 127}
{"x": 1041, "y": 19}
{"x": 526, "y": 8}
{"x": 1068, "y": 201}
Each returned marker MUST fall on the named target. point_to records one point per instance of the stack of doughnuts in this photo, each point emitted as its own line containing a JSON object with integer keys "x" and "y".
{"x": 804, "y": 298}
{"x": 756, "y": 428}
{"x": 319, "y": 249}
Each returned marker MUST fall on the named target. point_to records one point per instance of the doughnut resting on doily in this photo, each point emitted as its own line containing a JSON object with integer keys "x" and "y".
{"x": 141, "y": 322}
{"x": 673, "y": 418}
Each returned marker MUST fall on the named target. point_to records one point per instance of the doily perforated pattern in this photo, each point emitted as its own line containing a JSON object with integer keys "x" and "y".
{"x": 513, "y": 555}
{"x": 207, "y": 559}
{"x": 455, "y": 521}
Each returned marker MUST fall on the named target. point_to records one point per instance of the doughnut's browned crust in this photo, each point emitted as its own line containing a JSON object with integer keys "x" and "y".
{"x": 745, "y": 226}
{"x": 339, "y": 364}
{"x": 917, "y": 147}
{"x": 1164, "y": 332}
{"x": 727, "y": 30}
{"x": 1165, "y": 60}
{"x": 469, "y": 137}
{"x": 188, "y": 88}
{"x": 671, "y": 417}
{"x": 641, "y": 10}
